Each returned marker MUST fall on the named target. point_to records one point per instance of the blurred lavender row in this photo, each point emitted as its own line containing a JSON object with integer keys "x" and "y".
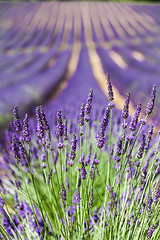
{"x": 38, "y": 42}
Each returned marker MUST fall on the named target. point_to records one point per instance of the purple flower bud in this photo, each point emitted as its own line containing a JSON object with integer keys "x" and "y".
{"x": 109, "y": 86}
{"x": 141, "y": 149}
{"x": 65, "y": 131}
{"x": 149, "y": 137}
{"x": 49, "y": 176}
{"x": 16, "y": 200}
{"x": 1, "y": 203}
{"x": 63, "y": 195}
{"x": 60, "y": 126}
{"x": 150, "y": 231}
{"x": 88, "y": 158}
{"x": 88, "y": 106}
{"x": 142, "y": 121}
{"x": 96, "y": 161}
{"x": 15, "y": 148}
{"x": 134, "y": 121}
{"x": 72, "y": 155}
{"x": 119, "y": 146}
{"x": 78, "y": 198}
{"x": 25, "y": 132}
{"x": 18, "y": 184}
{"x": 150, "y": 105}
{"x": 16, "y": 120}
{"x": 91, "y": 199}
{"x": 125, "y": 110}
{"x": 124, "y": 126}
{"x": 149, "y": 206}
{"x": 60, "y": 145}
{"x": 40, "y": 127}
{"x": 111, "y": 194}
{"x": 43, "y": 157}
{"x": 104, "y": 123}
{"x": 83, "y": 171}
{"x": 111, "y": 105}
{"x": 43, "y": 165}
{"x": 157, "y": 194}
{"x": 81, "y": 118}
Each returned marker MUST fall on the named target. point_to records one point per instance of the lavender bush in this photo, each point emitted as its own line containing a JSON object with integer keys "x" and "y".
{"x": 96, "y": 181}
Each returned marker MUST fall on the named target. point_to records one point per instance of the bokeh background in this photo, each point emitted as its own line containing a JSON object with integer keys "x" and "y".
{"x": 52, "y": 53}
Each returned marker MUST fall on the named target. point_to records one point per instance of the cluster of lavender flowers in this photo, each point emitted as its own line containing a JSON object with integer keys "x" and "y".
{"x": 98, "y": 180}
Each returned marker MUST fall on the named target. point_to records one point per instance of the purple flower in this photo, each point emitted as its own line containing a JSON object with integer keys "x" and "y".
{"x": 125, "y": 146}
{"x": 18, "y": 184}
{"x": 88, "y": 105}
{"x": 49, "y": 176}
{"x": 16, "y": 200}
{"x": 40, "y": 127}
{"x": 60, "y": 126}
{"x": 101, "y": 135}
{"x": 150, "y": 231}
{"x": 150, "y": 105}
{"x": 63, "y": 195}
{"x": 141, "y": 148}
{"x": 88, "y": 158}
{"x": 83, "y": 171}
{"x": 72, "y": 155}
{"x": 150, "y": 201}
{"x": 6, "y": 222}
{"x": 96, "y": 161}
{"x": 43, "y": 165}
{"x": 60, "y": 145}
{"x": 157, "y": 194}
{"x": 25, "y": 132}
{"x": 149, "y": 137}
{"x": 43, "y": 157}
{"x": 16, "y": 120}
{"x": 65, "y": 131}
{"x": 78, "y": 198}
{"x": 81, "y": 117}
{"x": 111, "y": 105}
{"x": 109, "y": 86}
{"x": 119, "y": 146}
{"x": 91, "y": 199}
{"x": 1, "y": 203}
{"x": 134, "y": 121}
{"x": 125, "y": 110}
{"x": 15, "y": 148}
{"x": 111, "y": 194}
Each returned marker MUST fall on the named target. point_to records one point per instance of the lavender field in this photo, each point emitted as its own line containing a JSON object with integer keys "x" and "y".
{"x": 79, "y": 120}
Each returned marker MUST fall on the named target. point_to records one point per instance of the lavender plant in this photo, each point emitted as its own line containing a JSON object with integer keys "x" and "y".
{"x": 97, "y": 181}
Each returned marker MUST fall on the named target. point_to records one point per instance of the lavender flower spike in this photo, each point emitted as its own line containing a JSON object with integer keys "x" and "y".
{"x": 101, "y": 134}
{"x": 65, "y": 130}
{"x": 150, "y": 232}
{"x": 149, "y": 137}
{"x": 109, "y": 85}
{"x": 134, "y": 121}
{"x": 150, "y": 105}
{"x": 25, "y": 132}
{"x": 63, "y": 195}
{"x": 88, "y": 105}
{"x": 126, "y": 107}
{"x": 72, "y": 155}
{"x": 91, "y": 199}
{"x": 141, "y": 149}
{"x": 81, "y": 117}
{"x": 60, "y": 126}
{"x": 16, "y": 121}
{"x": 40, "y": 127}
